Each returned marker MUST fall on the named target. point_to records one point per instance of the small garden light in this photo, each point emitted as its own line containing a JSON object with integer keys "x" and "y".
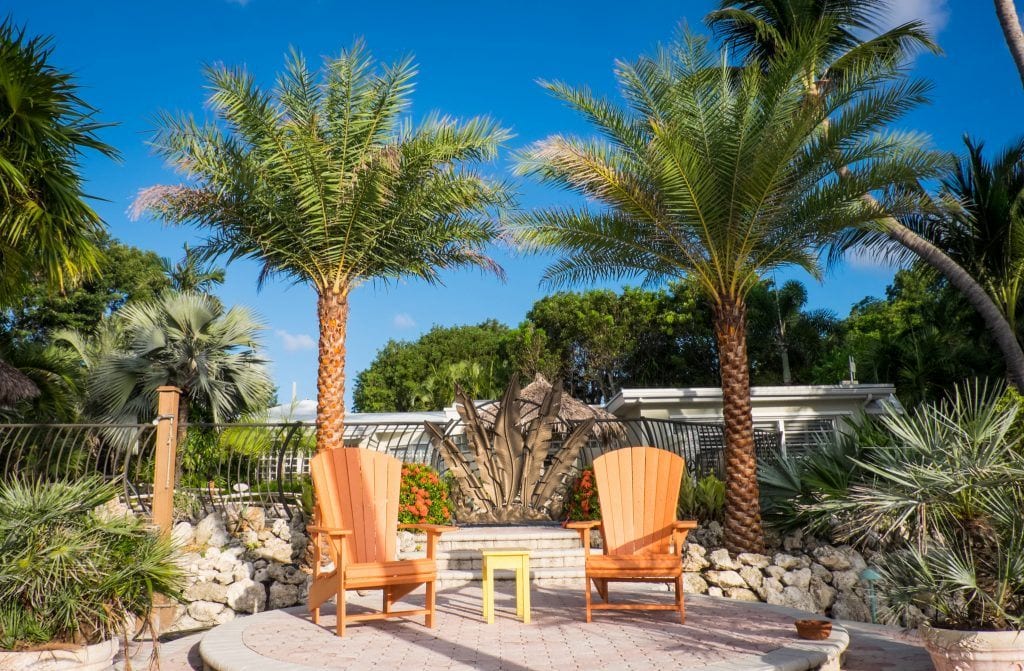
{"x": 871, "y": 576}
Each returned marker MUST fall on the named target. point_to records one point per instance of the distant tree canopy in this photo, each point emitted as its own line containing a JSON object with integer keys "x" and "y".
{"x": 598, "y": 342}
{"x": 125, "y": 273}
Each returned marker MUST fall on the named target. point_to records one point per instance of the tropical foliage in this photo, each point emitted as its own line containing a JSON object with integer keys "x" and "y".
{"x": 944, "y": 497}
{"x": 46, "y": 226}
{"x": 70, "y": 573}
{"x": 189, "y": 341}
{"x": 324, "y": 182}
{"x": 423, "y": 496}
{"x": 722, "y": 176}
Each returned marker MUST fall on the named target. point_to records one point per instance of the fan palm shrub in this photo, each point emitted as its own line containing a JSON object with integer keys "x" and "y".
{"x": 946, "y": 498}
{"x": 71, "y": 575}
{"x": 722, "y": 175}
{"x": 844, "y": 39}
{"x": 324, "y": 181}
{"x": 188, "y": 341}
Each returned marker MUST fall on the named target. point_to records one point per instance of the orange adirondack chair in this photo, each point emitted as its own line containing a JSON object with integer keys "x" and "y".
{"x": 638, "y": 488}
{"x": 357, "y": 503}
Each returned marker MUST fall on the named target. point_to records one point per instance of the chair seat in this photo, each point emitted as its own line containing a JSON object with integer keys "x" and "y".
{"x": 390, "y": 573}
{"x": 634, "y": 566}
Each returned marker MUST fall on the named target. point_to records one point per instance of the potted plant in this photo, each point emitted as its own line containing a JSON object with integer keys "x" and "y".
{"x": 74, "y": 577}
{"x": 947, "y": 500}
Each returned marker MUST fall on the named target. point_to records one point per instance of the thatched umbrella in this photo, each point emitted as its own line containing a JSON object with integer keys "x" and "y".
{"x": 15, "y": 386}
{"x": 572, "y": 410}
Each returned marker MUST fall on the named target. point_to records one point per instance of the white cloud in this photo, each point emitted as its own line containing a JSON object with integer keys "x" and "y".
{"x": 403, "y": 321}
{"x": 296, "y": 341}
{"x": 934, "y": 13}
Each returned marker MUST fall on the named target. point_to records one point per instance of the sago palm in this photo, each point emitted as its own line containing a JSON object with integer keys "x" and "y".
{"x": 46, "y": 225}
{"x": 325, "y": 182}
{"x": 189, "y": 341}
{"x": 843, "y": 36}
{"x": 720, "y": 176}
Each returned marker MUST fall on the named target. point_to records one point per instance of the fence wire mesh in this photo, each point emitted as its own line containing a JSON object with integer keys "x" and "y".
{"x": 232, "y": 466}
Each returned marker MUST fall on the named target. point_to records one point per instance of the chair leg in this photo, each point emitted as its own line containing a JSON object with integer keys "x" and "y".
{"x": 316, "y": 615}
{"x": 342, "y": 608}
{"x": 586, "y": 585}
{"x": 387, "y": 599}
{"x": 679, "y": 599}
{"x": 431, "y": 604}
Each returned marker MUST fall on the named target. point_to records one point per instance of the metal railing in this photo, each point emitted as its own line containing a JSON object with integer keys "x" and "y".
{"x": 231, "y": 466}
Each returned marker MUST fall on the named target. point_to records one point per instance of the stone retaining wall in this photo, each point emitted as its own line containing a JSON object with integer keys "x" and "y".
{"x": 242, "y": 563}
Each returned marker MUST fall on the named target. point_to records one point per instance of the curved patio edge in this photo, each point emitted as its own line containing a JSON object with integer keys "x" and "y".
{"x": 223, "y": 648}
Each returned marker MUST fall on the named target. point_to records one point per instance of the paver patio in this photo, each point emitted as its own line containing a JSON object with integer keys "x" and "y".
{"x": 719, "y": 634}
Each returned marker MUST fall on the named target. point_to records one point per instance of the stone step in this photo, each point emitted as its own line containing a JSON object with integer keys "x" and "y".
{"x": 527, "y": 538}
{"x": 539, "y": 577}
{"x": 473, "y": 559}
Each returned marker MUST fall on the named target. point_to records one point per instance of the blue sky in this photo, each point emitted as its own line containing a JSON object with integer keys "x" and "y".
{"x": 136, "y": 58}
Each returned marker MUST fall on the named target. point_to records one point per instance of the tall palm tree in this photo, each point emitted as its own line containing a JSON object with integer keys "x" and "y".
{"x": 838, "y": 34}
{"x": 46, "y": 226}
{"x": 719, "y": 176}
{"x": 325, "y": 182}
{"x": 1009, "y": 21}
{"x": 192, "y": 272}
{"x": 189, "y": 341}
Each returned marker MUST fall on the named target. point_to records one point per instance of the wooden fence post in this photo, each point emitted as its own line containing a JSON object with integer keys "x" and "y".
{"x": 162, "y": 510}
{"x": 165, "y": 456}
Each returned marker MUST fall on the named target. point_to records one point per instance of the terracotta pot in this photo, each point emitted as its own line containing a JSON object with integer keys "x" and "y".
{"x": 814, "y": 630}
{"x": 953, "y": 650}
{"x": 98, "y": 657}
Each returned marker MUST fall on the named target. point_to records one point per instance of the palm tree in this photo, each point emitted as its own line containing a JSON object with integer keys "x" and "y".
{"x": 189, "y": 341}
{"x": 324, "y": 182}
{"x": 192, "y": 273}
{"x": 46, "y": 226}
{"x": 720, "y": 176}
{"x": 833, "y": 31}
{"x": 1006, "y": 12}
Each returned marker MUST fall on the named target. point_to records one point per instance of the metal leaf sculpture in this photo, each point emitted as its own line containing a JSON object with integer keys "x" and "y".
{"x": 510, "y": 480}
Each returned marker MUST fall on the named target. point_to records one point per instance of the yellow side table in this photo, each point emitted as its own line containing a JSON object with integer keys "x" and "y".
{"x": 518, "y": 561}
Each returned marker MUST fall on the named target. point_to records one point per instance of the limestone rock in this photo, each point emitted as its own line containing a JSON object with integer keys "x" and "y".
{"x": 850, "y": 606}
{"x": 723, "y": 561}
{"x": 755, "y": 560}
{"x": 831, "y": 558}
{"x": 206, "y": 591}
{"x": 247, "y": 596}
{"x": 282, "y": 596}
{"x": 821, "y": 573}
{"x": 800, "y": 578}
{"x": 845, "y": 581}
{"x": 205, "y": 611}
{"x": 282, "y": 530}
{"x": 793, "y": 597}
{"x": 289, "y": 574}
{"x": 693, "y": 583}
{"x": 725, "y": 579}
{"x": 753, "y": 577}
{"x": 694, "y": 558}
{"x": 793, "y": 541}
{"x": 788, "y": 562}
{"x": 183, "y": 534}
{"x": 211, "y": 531}
{"x": 715, "y": 591}
{"x": 741, "y": 594}
{"x": 774, "y": 571}
{"x": 823, "y": 595}
{"x": 275, "y": 549}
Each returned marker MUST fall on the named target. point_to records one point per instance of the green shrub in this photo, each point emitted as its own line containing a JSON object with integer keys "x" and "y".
{"x": 946, "y": 500}
{"x": 423, "y": 498}
{"x": 582, "y": 503}
{"x": 701, "y": 499}
{"x": 69, "y": 574}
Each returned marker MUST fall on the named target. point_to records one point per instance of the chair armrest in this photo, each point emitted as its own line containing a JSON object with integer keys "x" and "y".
{"x": 330, "y": 531}
{"x": 684, "y": 525}
{"x": 429, "y": 528}
{"x": 583, "y": 524}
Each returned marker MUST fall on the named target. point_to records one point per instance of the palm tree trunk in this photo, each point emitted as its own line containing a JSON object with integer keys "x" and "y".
{"x": 1000, "y": 329}
{"x": 743, "y": 531}
{"x": 332, "y": 310}
{"x": 1010, "y": 23}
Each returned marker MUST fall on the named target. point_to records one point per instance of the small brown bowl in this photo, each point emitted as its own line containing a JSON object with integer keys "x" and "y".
{"x": 813, "y": 630}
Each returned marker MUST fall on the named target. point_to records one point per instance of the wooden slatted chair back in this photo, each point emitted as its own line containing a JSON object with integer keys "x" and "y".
{"x": 358, "y": 490}
{"x": 638, "y": 488}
